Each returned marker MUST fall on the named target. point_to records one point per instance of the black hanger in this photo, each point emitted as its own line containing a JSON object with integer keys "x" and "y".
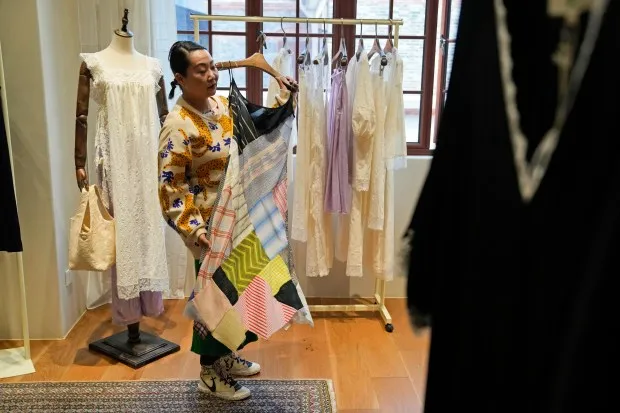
{"x": 284, "y": 35}
{"x": 342, "y": 51}
{"x": 360, "y": 43}
{"x": 261, "y": 40}
{"x": 323, "y": 54}
{"x": 304, "y": 58}
{"x": 376, "y": 48}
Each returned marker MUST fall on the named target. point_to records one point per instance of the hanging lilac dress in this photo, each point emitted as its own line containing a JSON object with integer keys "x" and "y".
{"x": 338, "y": 185}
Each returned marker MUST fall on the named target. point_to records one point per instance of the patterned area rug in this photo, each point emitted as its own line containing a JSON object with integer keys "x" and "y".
{"x": 281, "y": 396}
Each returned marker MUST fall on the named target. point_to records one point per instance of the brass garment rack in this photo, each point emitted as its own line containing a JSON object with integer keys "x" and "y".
{"x": 379, "y": 305}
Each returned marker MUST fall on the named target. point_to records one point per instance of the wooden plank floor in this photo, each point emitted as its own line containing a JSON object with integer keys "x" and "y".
{"x": 372, "y": 370}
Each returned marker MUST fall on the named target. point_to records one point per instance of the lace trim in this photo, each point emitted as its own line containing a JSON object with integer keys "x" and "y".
{"x": 361, "y": 184}
{"x": 355, "y": 270}
{"x": 127, "y": 292}
{"x": 102, "y": 75}
{"x": 530, "y": 174}
{"x": 316, "y": 271}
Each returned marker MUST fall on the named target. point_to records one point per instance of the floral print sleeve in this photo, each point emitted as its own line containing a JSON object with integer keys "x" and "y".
{"x": 176, "y": 195}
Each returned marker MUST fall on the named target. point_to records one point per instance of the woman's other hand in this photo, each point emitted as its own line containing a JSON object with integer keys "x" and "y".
{"x": 283, "y": 80}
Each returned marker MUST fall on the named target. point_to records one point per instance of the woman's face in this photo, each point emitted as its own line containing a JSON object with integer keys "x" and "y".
{"x": 200, "y": 81}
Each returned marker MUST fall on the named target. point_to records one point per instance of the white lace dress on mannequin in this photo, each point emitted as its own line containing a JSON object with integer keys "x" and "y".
{"x": 126, "y": 144}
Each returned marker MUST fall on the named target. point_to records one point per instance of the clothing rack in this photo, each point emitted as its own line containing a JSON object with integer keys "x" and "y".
{"x": 379, "y": 305}
{"x": 24, "y": 365}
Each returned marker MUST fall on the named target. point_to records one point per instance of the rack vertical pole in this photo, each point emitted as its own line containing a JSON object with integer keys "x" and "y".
{"x": 197, "y": 31}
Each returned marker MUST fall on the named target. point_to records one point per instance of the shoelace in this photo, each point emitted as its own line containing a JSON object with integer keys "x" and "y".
{"x": 222, "y": 369}
{"x": 242, "y": 361}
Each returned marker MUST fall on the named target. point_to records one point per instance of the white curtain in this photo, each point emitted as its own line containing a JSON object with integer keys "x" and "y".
{"x": 153, "y": 23}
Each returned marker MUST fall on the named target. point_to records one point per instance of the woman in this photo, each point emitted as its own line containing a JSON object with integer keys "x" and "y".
{"x": 194, "y": 143}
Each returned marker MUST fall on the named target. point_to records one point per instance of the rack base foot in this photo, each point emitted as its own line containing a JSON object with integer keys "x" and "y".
{"x": 389, "y": 327}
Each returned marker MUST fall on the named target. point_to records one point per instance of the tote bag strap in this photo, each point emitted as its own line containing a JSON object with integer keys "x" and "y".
{"x": 97, "y": 200}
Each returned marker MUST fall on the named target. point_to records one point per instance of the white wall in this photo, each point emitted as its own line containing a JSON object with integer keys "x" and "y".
{"x": 39, "y": 42}
{"x": 19, "y": 33}
{"x": 59, "y": 36}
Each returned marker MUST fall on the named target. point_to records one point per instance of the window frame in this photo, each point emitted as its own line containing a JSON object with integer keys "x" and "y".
{"x": 431, "y": 81}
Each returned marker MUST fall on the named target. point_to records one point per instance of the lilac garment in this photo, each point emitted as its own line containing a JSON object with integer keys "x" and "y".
{"x": 124, "y": 312}
{"x": 338, "y": 183}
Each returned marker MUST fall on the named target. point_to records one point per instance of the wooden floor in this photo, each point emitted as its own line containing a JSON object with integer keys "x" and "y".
{"x": 372, "y": 370}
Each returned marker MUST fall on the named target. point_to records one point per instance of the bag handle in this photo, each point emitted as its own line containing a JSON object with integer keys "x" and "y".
{"x": 99, "y": 202}
{"x": 87, "y": 219}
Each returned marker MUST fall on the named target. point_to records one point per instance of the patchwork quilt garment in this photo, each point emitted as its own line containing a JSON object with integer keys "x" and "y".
{"x": 247, "y": 280}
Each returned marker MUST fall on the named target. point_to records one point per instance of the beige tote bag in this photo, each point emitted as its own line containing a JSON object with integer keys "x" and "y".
{"x": 92, "y": 240}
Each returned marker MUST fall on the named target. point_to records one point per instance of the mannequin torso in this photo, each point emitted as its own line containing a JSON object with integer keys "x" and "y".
{"x": 121, "y": 54}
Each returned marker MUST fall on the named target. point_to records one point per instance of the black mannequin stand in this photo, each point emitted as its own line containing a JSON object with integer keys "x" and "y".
{"x": 133, "y": 347}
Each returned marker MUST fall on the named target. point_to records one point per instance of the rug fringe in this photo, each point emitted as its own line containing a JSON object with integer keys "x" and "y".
{"x": 332, "y": 394}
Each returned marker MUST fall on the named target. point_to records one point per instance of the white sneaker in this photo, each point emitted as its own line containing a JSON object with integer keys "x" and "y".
{"x": 238, "y": 366}
{"x": 217, "y": 381}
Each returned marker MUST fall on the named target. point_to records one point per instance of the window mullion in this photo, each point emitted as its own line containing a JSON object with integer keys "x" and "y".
{"x": 428, "y": 72}
{"x": 254, "y": 78}
{"x": 344, "y": 10}
{"x": 210, "y": 25}
{"x": 443, "y": 63}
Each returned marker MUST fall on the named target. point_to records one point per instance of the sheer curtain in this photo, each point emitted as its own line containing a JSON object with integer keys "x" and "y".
{"x": 153, "y": 23}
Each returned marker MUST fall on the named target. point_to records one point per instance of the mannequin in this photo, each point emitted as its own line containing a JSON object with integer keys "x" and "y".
{"x": 130, "y": 302}
{"x": 122, "y": 55}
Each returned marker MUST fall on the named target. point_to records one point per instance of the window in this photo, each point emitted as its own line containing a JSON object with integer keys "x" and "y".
{"x": 449, "y": 12}
{"x": 425, "y": 43}
{"x": 225, "y": 40}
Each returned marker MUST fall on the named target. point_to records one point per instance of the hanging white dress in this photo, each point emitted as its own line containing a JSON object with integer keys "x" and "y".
{"x": 311, "y": 224}
{"x": 299, "y": 226}
{"x": 126, "y": 146}
{"x": 343, "y": 224}
{"x": 377, "y": 174}
{"x": 394, "y": 157}
{"x": 363, "y": 123}
{"x": 319, "y": 255}
{"x": 282, "y": 64}
{"x": 395, "y": 135}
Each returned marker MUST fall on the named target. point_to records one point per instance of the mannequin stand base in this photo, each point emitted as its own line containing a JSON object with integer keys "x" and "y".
{"x": 149, "y": 349}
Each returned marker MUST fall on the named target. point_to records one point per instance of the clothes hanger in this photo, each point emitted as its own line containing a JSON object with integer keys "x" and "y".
{"x": 323, "y": 54}
{"x": 288, "y": 49}
{"x": 342, "y": 51}
{"x": 360, "y": 43}
{"x": 376, "y": 48}
{"x": 262, "y": 41}
{"x": 389, "y": 44}
{"x": 304, "y": 58}
{"x": 257, "y": 60}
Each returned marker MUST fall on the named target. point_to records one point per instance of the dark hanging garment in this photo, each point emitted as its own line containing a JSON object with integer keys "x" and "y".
{"x": 10, "y": 236}
{"x": 521, "y": 293}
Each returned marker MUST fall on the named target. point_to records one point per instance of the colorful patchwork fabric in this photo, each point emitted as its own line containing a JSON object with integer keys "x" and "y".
{"x": 246, "y": 281}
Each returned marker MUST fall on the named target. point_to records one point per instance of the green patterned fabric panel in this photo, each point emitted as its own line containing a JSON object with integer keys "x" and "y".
{"x": 245, "y": 262}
